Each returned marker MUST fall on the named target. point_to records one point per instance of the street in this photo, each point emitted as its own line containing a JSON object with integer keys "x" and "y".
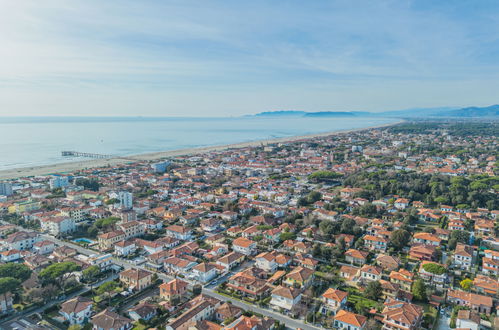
{"x": 289, "y": 322}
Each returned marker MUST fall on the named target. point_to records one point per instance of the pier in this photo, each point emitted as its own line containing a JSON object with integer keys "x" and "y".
{"x": 85, "y": 154}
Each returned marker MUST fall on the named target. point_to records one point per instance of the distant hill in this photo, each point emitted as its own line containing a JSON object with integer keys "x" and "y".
{"x": 491, "y": 111}
{"x": 455, "y": 112}
{"x": 281, "y": 113}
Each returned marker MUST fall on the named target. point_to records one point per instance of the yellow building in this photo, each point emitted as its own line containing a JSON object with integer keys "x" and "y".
{"x": 24, "y": 206}
{"x": 136, "y": 279}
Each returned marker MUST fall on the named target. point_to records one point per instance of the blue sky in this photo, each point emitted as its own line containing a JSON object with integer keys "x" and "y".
{"x": 228, "y": 58}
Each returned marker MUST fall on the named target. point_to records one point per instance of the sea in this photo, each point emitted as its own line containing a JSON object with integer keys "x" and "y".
{"x": 34, "y": 141}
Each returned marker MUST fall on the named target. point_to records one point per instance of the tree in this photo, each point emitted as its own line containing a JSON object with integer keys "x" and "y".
{"x": 91, "y": 273}
{"x": 18, "y": 271}
{"x": 466, "y": 284}
{"x": 373, "y": 290}
{"x": 9, "y": 284}
{"x": 419, "y": 290}
{"x": 458, "y": 236}
{"x": 285, "y": 236}
{"x": 196, "y": 289}
{"x": 106, "y": 289}
{"x": 55, "y": 272}
{"x": 399, "y": 238}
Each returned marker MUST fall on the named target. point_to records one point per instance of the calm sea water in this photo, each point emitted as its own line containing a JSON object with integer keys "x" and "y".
{"x": 28, "y": 142}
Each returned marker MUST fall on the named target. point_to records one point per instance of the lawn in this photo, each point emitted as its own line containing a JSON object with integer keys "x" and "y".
{"x": 366, "y": 303}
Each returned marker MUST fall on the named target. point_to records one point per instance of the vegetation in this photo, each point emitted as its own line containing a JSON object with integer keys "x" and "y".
{"x": 434, "y": 268}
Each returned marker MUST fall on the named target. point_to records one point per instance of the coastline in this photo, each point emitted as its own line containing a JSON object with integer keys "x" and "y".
{"x": 95, "y": 163}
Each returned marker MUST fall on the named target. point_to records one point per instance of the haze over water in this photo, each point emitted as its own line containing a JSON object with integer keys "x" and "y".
{"x": 31, "y": 141}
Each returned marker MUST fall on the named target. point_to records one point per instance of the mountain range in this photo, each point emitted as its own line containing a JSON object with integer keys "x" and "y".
{"x": 443, "y": 112}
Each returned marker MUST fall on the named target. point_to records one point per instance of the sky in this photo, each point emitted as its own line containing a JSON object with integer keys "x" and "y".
{"x": 230, "y": 58}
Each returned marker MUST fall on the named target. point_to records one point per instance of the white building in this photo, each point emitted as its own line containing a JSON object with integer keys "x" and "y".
{"x": 58, "y": 225}
{"x": 160, "y": 167}
{"x": 77, "y": 310}
{"x": 20, "y": 240}
{"x": 284, "y": 297}
{"x": 5, "y": 188}
{"x": 126, "y": 199}
{"x": 58, "y": 181}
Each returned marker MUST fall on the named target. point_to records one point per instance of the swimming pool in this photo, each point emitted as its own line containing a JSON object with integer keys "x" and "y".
{"x": 83, "y": 240}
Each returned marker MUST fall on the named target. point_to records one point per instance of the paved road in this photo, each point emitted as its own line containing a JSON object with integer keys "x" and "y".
{"x": 292, "y": 323}
{"x": 5, "y": 324}
{"x": 289, "y": 322}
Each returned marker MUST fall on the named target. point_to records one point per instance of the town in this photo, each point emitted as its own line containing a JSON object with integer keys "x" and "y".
{"x": 386, "y": 228}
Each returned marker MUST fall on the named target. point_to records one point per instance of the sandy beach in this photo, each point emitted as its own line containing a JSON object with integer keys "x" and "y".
{"x": 95, "y": 163}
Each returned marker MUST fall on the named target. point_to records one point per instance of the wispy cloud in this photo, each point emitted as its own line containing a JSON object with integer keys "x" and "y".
{"x": 231, "y": 57}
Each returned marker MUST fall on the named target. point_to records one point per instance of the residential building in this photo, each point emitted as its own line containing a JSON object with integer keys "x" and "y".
{"x": 136, "y": 278}
{"x": 77, "y": 310}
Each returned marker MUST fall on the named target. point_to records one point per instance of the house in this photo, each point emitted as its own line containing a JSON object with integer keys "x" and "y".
{"x": 349, "y": 273}
{"x": 136, "y": 278}
{"x": 104, "y": 261}
{"x": 20, "y": 240}
{"x": 231, "y": 260}
{"x": 58, "y": 225}
{"x": 463, "y": 256}
{"x": 401, "y": 203}
{"x": 477, "y": 303}
{"x": 179, "y": 232}
{"x": 266, "y": 261}
{"x": 199, "y": 309}
{"x": 77, "y": 310}
{"x": 175, "y": 288}
{"x": 300, "y": 276}
{"x": 467, "y": 319}
{"x": 423, "y": 252}
{"x": 204, "y": 272}
{"x": 433, "y": 273}
{"x": 124, "y": 248}
{"x": 401, "y": 315}
{"x": 6, "y": 303}
{"x": 370, "y": 273}
{"x": 244, "y": 246}
{"x": 375, "y": 243}
{"x": 490, "y": 266}
{"x": 109, "y": 320}
{"x": 144, "y": 311}
{"x": 253, "y": 322}
{"x": 402, "y": 277}
{"x": 107, "y": 240}
{"x": 132, "y": 229}
{"x": 333, "y": 300}
{"x": 356, "y": 257}
{"x": 389, "y": 289}
{"x": 44, "y": 247}
{"x": 249, "y": 282}
{"x": 427, "y": 238}
{"x": 285, "y": 297}
{"x": 227, "y": 311}
{"x": 387, "y": 262}
{"x": 10, "y": 255}
{"x": 179, "y": 265}
{"x": 486, "y": 285}
{"x": 348, "y": 320}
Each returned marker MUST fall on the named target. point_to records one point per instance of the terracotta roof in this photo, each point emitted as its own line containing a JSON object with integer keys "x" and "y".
{"x": 290, "y": 293}
{"x": 76, "y": 305}
{"x": 350, "y": 318}
{"x": 336, "y": 295}
{"x": 108, "y": 319}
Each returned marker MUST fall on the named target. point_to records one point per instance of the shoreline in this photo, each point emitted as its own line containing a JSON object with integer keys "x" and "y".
{"x": 42, "y": 170}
